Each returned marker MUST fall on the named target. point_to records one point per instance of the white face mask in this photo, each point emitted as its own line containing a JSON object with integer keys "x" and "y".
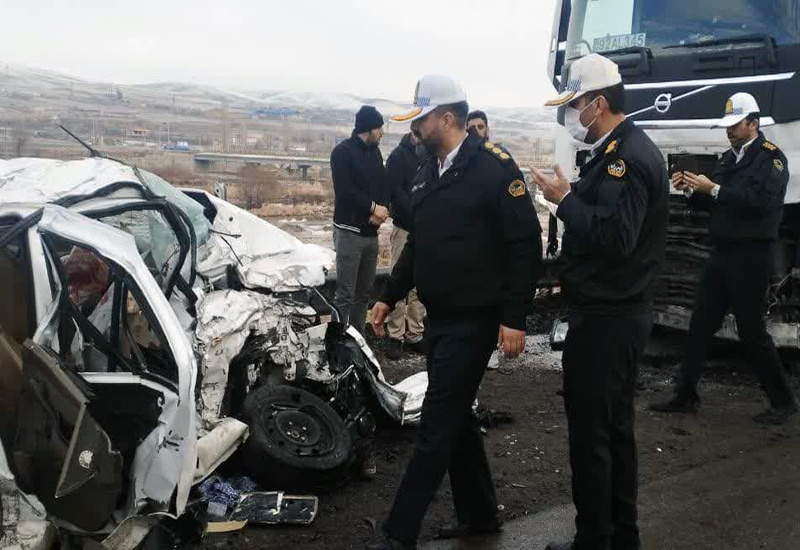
{"x": 572, "y": 122}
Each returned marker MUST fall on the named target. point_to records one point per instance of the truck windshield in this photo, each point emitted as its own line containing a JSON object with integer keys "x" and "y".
{"x": 606, "y": 25}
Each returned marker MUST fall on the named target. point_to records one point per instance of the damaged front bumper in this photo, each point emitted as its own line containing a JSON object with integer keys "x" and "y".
{"x": 227, "y": 319}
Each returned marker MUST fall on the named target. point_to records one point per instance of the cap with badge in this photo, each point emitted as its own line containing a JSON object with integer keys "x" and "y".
{"x": 737, "y": 108}
{"x": 431, "y": 92}
{"x": 588, "y": 74}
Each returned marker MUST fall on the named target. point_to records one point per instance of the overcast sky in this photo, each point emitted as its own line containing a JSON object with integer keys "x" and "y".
{"x": 496, "y": 48}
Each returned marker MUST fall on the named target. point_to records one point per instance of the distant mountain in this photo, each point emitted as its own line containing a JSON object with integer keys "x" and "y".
{"x": 34, "y": 92}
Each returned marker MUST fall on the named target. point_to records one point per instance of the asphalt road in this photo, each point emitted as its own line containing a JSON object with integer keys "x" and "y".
{"x": 746, "y": 502}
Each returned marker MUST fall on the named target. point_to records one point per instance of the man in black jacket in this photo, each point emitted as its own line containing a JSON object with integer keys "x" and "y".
{"x": 615, "y": 226}
{"x": 478, "y": 122}
{"x": 473, "y": 253}
{"x": 405, "y": 322}
{"x": 361, "y": 200}
{"x": 746, "y": 196}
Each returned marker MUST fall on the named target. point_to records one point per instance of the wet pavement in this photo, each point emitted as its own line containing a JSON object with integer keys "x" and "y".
{"x": 749, "y": 501}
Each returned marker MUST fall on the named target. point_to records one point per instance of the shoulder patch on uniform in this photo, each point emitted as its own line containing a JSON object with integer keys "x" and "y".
{"x": 504, "y": 156}
{"x": 611, "y": 147}
{"x": 489, "y": 145}
{"x": 617, "y": 168}
{"x": 769, "y": 146}
{"x": 778, "y": 165}
{"x": 517, "y": 188}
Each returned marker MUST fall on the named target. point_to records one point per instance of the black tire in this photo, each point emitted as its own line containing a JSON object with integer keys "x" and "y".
{"x": 297, "y": 441}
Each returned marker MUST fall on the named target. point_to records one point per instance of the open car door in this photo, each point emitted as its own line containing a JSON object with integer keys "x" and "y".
{"x": 61, "y": 453}
{"x": 112, "y": 377}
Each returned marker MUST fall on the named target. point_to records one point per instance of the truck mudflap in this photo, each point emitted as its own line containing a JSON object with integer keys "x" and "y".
{"x": 785, "y": 335}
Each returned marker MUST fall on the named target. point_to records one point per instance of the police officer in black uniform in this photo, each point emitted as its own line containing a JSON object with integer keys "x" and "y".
{"x": 615, "y": 220}
{"x": 473, "y": 252}
{"x": 746, "y": 199}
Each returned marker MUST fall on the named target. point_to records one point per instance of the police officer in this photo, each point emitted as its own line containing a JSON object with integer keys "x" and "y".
{"x": 615, "y": 220}
{"x": 745, "y": 195}
{"x": 473, "y": 251}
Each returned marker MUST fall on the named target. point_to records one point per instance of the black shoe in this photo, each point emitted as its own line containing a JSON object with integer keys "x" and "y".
{"x": 680, "y": 403}
{"x": 465, "y": 530}
{"x": 386, "y": 543}
{"x": 395, "y": 349}
{"x": 776, "y": 417}
{"x": 561, "y": 546}
{"x": 418, "y": 347}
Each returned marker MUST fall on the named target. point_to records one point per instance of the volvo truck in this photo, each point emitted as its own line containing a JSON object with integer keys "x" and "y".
{"x": 680, "y": 60}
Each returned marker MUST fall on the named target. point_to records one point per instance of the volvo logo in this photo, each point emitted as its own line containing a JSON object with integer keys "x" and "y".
{"x": 663, "y": 103}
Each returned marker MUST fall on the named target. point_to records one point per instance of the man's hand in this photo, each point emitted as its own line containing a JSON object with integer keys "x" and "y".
{"x": 699, "y": 183}
{"x": 375, "y": 220}
{"x": 554, "y": 188}
{"x": 378, "y": 317}
{"x": 679, "y": 182}
{"x": 511, "y": 341}
{"x": 381, "y": 212}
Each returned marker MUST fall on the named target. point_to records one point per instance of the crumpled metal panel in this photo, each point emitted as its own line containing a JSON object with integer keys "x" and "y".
{"x": 264, "y": 255}
{"x": 29, "y": 180}
{"x": 403, "y": 401}
{"x": 218, "y": 445}
{"x": 225, "y": 319}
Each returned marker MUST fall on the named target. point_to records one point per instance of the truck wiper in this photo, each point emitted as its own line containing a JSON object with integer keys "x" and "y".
{"x": 766, "y": 39}
{"x": 629, "y": 49}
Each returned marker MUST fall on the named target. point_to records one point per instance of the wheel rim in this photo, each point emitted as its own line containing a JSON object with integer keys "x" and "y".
{"x": 297, "y": 428}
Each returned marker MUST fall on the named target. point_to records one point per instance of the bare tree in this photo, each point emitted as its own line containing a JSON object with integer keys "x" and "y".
{"x": 19, "y": 139}
{"x": 258, "y": 185}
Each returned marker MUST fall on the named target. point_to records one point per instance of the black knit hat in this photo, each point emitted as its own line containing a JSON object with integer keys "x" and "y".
{"x": 368, "y": 118}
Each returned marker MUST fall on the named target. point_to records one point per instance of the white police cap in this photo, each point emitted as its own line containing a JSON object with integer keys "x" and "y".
{"x": 587, "y": 74}
{"x": 431, "y": 92}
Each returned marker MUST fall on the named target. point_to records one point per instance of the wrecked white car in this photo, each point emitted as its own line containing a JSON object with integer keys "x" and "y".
{"x": 147, "y": 331}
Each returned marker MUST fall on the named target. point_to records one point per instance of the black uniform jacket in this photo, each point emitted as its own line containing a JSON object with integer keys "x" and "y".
{"x": 475, "y": 243}
{"x": 401, "y": 168}
{"x": 615, "y": 221}
{"x": 751, "y": 193}
{"x": 359, "y": 179}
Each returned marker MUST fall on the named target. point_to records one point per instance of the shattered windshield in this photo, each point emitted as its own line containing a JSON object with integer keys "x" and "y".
{"x": 156, "y": 241}
{"x": 606, "y": 25}
{"x": 192, "y": 209}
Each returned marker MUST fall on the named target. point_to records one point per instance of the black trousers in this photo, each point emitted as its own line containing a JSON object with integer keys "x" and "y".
{"x": 736, "y": 278}
{"x": 600, "y": 360}
{"x": 449, "y": 437}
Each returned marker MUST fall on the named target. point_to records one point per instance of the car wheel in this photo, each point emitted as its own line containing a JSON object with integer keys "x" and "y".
{"x": 297, "y": 441}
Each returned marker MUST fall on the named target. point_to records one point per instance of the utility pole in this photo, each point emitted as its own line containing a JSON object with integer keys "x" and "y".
{"x": 224, "y": 126}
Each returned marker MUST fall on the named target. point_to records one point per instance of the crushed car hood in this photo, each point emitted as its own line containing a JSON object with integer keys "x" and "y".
{"x": 264, "y": 256}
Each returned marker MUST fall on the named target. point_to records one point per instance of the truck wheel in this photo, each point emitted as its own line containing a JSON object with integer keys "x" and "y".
{"x": 297, "y": 441}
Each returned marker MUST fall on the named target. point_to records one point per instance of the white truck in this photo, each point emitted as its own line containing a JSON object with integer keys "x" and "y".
{"x": 680, "y": 60}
